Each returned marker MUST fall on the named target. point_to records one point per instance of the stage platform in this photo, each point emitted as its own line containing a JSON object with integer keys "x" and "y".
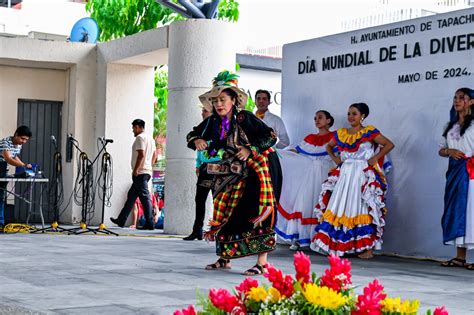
{"x": 153, "y": 273}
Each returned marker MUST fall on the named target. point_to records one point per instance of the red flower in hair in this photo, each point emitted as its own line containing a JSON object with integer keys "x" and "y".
{"x": 302, "y": 267}
{"x": 369, "y": 302}
{"x": 186, "y": 311}
{"x": 338, "y": 277}
{"x": 440, "y": 311}
{"x": 223, "y": 299}
{"x": 246, "y": 285}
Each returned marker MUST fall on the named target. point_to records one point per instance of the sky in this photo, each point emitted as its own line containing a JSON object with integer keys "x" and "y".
{"x": 265, "y": 23}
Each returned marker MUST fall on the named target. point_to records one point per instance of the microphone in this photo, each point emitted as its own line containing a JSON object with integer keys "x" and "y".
{"x": 106, "y": 140}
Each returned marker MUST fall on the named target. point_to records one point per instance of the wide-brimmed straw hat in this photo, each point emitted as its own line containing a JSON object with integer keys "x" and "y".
{"x": 224, "y": 80}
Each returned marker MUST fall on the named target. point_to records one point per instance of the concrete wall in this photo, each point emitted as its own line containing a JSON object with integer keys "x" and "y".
{"x": 129, "y": 95}
{"x": 27, "y": 83}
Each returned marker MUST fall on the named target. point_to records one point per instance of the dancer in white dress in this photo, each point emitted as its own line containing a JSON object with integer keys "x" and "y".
{"x": 351, "y": 206}
{"x": 458, "y": 145}
{"x": 305, "y": 166}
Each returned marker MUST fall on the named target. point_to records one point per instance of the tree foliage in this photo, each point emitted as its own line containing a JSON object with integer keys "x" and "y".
{"x": 161, "y": 94}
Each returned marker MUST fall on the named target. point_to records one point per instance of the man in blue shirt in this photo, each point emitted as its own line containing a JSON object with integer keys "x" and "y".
{"x": 10, "y": 148}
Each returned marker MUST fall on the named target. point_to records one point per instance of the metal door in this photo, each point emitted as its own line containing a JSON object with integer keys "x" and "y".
{"x": 44, "y": 120}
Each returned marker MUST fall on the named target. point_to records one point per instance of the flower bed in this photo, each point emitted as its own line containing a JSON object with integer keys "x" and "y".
{"x": 330, "y": 294}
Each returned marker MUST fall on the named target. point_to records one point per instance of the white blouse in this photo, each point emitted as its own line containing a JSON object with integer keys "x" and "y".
{"x": 454, "y": 140}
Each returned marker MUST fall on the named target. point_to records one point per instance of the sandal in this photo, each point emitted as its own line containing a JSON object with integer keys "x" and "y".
{"x": 455, "y": 262}
{"x": 469, "y": 266}
{"x": 366, "y": 255}
{"x": 255, "y": 270}
{"x": 221, "y": 263}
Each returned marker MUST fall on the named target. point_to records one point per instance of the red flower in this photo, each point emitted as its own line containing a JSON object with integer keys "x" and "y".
{"x": 369, "y": 302}
{"x": 246, "y": 285}
{"x": 275, "y": 276}
{"x": 282, "y": 284}
{"x": 302, "y": 267}
{"x": 286, "y": 288}
{"x": 223, "y": 299}
{"x": 186, "y": 311}
{"x": 440, "y": 311}
{"x": 338, "y": 277}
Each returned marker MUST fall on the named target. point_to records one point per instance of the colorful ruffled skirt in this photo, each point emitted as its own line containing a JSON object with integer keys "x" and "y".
{"x": 351, "y": 210}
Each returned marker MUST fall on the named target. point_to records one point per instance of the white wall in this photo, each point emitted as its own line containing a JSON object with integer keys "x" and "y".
{"x": 129, "y": 95}
{"x": 411, "y": 114}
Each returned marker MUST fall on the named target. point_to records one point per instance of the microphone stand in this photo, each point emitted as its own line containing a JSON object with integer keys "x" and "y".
{"x": 87, "y": 165}
{"x": 106, "y": 165}
{"x": 57, "y": 183}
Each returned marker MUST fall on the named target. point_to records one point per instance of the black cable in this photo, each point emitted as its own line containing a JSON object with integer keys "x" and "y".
{"x": 107, "y": 167}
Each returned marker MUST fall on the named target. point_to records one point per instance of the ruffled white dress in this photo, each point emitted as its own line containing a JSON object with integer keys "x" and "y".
{"x": 351, "y": 206}
{"x": 303, "y": 173}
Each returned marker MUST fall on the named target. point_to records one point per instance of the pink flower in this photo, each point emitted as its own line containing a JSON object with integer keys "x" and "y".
{"x": 302, "y": 267}
{"x": 246, "y": 285}
{"x": 369, "y": 302}
{"x": 223, "y": 299}
{"x": 282, "y": 284}
{"x": 186, "y": 311}
{"x": 338, "y": 277}
{"x": 440, "y": 311}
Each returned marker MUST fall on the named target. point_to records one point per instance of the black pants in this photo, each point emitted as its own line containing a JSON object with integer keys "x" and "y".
{"x": 3, "y": 185}
{"x": 200, "y": 199}
{"x": 140, "y": 190}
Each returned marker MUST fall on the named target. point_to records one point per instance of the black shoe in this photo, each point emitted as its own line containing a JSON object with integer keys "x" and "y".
{"x": 117, "y": 222}
{"x": 193, "y": 236}
{"x": 146, "y": 227}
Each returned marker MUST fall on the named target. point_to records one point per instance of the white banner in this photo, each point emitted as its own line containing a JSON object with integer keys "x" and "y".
{"x": 407, "y": 73}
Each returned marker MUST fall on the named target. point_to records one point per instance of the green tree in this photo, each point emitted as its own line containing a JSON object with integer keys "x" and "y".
{"x": 118, "y": 18}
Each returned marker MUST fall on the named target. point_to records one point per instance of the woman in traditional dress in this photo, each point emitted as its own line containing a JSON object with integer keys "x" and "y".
{"x": 247, "y": 179}
{"x": 351, "y": 206}
{"x": 458, "y": 144}
{"x": 305, "y": 166}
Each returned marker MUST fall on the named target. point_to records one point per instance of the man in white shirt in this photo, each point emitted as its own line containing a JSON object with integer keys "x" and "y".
{"x": 262, "y": 100}
{"x": 143, "y": 157}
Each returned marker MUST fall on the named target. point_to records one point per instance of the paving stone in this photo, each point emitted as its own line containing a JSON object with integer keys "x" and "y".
{"x": 157, "y": 274}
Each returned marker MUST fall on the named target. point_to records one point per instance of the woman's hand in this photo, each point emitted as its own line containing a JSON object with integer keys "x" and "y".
{"x": 372, "y": 161}
{"x": 200, "y": 144}
{"x": 337, "y": 160}
{"x": 455, "y": 154}
{"x": 243, "y": 153}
